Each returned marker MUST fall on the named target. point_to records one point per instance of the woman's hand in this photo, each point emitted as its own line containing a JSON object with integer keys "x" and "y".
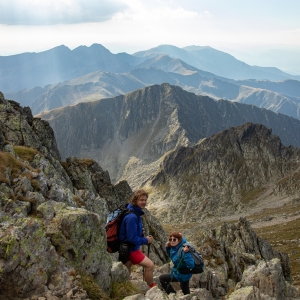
{"x": 186, "y": 248}
{"x": 168, "y": 245}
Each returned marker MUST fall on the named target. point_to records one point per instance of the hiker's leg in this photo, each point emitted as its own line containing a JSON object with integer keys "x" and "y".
{"x": 149, "y": 266}
{"x": 165, "y": 281}
{"x": 128, "y": 264}
{"x": 185, "y": 287}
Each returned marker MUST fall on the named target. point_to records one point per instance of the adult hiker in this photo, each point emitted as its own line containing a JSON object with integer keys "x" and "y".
{"x": 180, "y": 260}
{"x": 131, "y": 232}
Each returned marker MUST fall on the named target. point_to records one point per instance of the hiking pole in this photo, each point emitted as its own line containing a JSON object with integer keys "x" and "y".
{"x": 149, "y": 248}
{"x": 143, "y": 250}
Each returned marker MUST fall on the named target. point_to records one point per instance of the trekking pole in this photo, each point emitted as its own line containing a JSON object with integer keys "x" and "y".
{"x": 149, "y": 248}
{"x": 143, "y": 250}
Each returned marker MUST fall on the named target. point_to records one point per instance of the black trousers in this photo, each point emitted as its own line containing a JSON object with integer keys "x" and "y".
{"x": 165, "y": 280}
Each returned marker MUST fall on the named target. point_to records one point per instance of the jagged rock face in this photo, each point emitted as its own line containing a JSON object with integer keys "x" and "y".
{"x": 265, "y": 278}
{"x": 235, "y": 258}
{"x": 130, "y": 134}
{"x": 20, "y": 128}
{"x": 53, "y": 214}
{"x": 222, "y": 174}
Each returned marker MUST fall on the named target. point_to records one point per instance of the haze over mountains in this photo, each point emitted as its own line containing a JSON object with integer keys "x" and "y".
{"x": 103, "y": 74}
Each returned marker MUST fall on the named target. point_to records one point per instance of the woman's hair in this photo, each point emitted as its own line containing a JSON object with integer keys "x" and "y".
{"x": 176, "y": 234}
{"x": 137, "y": 195}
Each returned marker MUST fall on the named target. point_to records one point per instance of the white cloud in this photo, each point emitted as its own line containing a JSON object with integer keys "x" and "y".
{"x": 50, "y": 12}
{"x": 207, "y": 14}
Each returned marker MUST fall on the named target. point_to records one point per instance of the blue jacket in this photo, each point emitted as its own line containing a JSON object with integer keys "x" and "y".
{"x": 131, "y": 229}
{"x": 187, "y": 261}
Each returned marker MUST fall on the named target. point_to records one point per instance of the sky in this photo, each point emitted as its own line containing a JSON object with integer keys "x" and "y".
{"x": 241, "y": 27}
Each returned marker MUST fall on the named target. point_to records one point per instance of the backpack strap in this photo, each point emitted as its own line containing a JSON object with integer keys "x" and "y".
{"x": 180, "y": 251}
{"x": 130, "y": 211}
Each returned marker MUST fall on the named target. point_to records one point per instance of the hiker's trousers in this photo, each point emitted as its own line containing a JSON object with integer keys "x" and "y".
{"x": 165, "y": 280}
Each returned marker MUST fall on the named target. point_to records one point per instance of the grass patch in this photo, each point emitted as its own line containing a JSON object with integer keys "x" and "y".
{"x": 8, "y": 161}
{"x": 78, "y": 201}
{"x": 120, "y": 290}
{"x": 248, "y": 196}
{"x": 25, "y": 153}
{"x": 92, "y": 288}
{"x": 285, "y": 238}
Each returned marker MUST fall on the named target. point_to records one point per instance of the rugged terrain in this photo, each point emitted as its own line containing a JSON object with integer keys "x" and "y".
{"x": 52, "y": 239}
{"x": 130, "y": 134}
{"x": 225, "y": 174}
{"x": 53, "y": 214}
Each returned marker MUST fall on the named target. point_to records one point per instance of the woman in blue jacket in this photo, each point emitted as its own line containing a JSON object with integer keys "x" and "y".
{"x": 180, "y": 260}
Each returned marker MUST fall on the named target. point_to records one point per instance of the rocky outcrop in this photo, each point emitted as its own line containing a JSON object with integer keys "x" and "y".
{"x": 20, "y": 128}
{"x": 128, "y": 134}
{"x": 238, "y": 266}
{"x": 53, "y": 215}
{"x": 224, "y": 174}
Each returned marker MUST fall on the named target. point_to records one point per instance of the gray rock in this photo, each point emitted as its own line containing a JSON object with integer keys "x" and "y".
{"x": 119, "y": 273}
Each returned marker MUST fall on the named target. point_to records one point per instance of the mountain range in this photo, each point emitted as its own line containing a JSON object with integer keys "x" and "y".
{"x": 99, "y": 79}
{"x": 130, "y": 134}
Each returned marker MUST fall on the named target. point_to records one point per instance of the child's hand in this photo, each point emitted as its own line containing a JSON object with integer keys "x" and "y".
{"x": 186, "y": 248}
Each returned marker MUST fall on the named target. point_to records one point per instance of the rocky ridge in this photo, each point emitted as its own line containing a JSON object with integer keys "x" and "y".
{"x": 130, "y": 134}
{"x": 228, "y": 173}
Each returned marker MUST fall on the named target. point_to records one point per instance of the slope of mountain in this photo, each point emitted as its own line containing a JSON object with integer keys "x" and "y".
{"x": 90, "y": 87}
{"x": 28, "y": 70}
{"x": 128, "y": 132}
{"x": 217, "y": 62}
{"x": 98, "y": 85}
{"x": 289, "y": 88}
{"x": 232, "y": 169}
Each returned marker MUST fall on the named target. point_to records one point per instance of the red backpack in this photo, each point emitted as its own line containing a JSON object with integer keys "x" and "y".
{"x": 112, "y": 227}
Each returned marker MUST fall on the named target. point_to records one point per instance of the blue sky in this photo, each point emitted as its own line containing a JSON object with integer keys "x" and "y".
{"x": 240, "y": 26}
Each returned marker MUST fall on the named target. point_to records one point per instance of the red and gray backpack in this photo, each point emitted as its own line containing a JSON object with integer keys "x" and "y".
{"x": 112, "y": 227}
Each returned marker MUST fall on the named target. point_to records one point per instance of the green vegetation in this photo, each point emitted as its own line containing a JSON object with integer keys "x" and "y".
{"x": 120, "y": 290}
{"x": 92, "y": 288}
{"x": 8, "y": 163}
{"x": 25, "y": 153}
